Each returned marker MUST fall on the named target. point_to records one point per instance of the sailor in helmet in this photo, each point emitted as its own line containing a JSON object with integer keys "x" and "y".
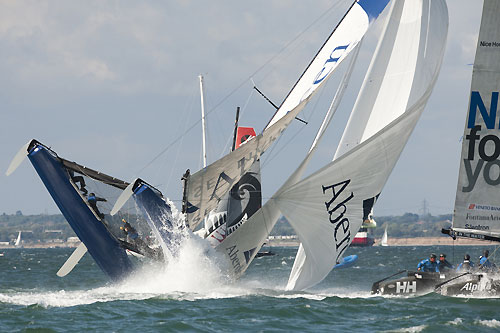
{"x": 465, "y": 266}
{"x": 443, "y": 264}
{"x": 428, "y": 265}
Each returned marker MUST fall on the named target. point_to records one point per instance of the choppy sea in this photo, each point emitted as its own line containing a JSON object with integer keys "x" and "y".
{"x": 195, "y": 297}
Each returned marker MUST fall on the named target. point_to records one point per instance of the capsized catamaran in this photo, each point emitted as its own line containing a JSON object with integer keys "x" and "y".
{"x": 73, "y": 188}
{"x": 328, "y": 207}
{"x": 83, "y": 195}
{"x": 210, "y": 191}
{"x": 477, "y": 203}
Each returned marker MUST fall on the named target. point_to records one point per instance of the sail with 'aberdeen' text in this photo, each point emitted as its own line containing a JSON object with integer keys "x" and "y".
{"x": 327, "y": 208}
{"x": 207, "y": 186}
{"x": 477, "y": 207}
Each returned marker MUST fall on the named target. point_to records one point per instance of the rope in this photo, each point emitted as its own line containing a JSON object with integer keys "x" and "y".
{"x": 271, "y": 156}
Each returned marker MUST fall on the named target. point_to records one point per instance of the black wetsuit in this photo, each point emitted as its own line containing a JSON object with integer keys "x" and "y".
{"x": 445, "y": 265}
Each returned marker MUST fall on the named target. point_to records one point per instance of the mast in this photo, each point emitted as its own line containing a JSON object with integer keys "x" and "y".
{"x": 236, "y": 127}
{"x": 203, "y": 121}
{"x": 185, "y": 179}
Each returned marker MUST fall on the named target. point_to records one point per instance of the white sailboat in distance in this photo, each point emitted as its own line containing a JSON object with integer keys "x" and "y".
{"x": 18, "y": 240}
{"x": 383, "y": 242}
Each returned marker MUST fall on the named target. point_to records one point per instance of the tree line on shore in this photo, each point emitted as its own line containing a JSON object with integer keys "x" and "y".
{"x": 408, "y": 225}
{"x": 43, "y": 227}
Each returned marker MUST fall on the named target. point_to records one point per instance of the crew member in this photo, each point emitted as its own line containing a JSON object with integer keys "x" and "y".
{"x": 92, "y": 199}
{"x": 466, "y": 266}
{"x": 78, "y": 179}
{"x": 129, "y": 231}
{"x": 443, "y": 264}
{"x": 428, "y": 265}
{"x": 133, "y": 238}
{"x": 484, "y": 263}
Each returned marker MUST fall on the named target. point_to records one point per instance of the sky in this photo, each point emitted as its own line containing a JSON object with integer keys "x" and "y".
{"x": 113, "y": 85}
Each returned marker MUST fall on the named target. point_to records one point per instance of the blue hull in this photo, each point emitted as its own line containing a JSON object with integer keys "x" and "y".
{"x": 102, "y": 246}
{"x": 347, "y": 261}
{"x": 157, "y": 212}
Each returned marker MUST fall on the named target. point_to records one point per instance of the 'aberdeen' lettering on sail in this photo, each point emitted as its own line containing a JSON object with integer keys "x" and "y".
{"x": 232, "y": 252}
{"x": 336, "y": 212}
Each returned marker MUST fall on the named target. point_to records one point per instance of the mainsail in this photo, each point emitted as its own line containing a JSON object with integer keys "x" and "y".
{"x": 326, "y": 209}
{"x": 477, "y": 208}
{"x": 206, "y": 187}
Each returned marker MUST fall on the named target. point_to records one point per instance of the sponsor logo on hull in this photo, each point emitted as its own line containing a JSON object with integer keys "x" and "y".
{"x": 406, "y": 287}
{"x": 470, "y": 286}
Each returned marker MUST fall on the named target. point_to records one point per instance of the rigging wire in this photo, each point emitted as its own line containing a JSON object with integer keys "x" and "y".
{"x": 189, "y": 106}
{"x": 212, "y": 136}
{"x": 270, "y": 156}
{"x": 260, "y": 68}
{"x": 294, "y": 44}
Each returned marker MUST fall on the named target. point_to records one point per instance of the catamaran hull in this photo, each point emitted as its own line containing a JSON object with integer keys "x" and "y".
{"x": 479, "y": 285}
{"x": 101, "y": 245}
{"x": 414, "y": 284}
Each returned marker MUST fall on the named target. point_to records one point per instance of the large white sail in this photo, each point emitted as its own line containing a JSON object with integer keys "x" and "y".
{"x": 389, "y": 78}
{"x": 208, "y": 185}
{"x": 477, "y": 206}
{"x": 343, "y": 39}
{"x": 326, "y": 209}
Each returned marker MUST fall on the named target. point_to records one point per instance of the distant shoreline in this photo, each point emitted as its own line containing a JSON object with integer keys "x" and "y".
{"x": 416, "y": 241}
{"x": 41, "y": 246}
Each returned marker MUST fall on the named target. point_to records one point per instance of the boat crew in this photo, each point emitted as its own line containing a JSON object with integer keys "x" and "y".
{"x": 443, "y": 264}
{"x": 428, "y": 265}
{"x": 93, "y": 199}
{"x": 466, "y": 266}
{"x": 129, "y": 231}
{"x": 484, "y": 263}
